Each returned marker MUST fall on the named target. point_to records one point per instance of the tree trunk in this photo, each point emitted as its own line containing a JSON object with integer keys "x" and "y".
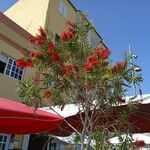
{"x": 82, "y": 142}
{"x": 89, "y": 143}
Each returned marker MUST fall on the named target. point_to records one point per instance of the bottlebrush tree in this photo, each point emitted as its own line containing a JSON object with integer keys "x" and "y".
{"x": 70, "y": 71}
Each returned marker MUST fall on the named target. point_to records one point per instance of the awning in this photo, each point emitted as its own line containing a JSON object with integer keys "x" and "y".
{"x": 17, "y": 118}
{"x": 139, "y": 120}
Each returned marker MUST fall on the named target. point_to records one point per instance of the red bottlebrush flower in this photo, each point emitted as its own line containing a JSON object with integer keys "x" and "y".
{"x": 66, "y": 36}
{"x": 93, "y": 60}
{"x": 21, "y": 63}
{"x": 88, "y": 67}
{"x": 54, "y": 57}
{"x": 120, "y": 66}
{"x": 36, "y": 55}
{"x": 121, "y": 100}
{"x": 69, "y": 69}
{"x": 36, "y": 77}
{"x": 77, "y": 77}
{"x": 33, "y": 54}
{"x": 70, "y": 35}
{"x": 70, "y": 26}
{"x": 42, "y": 32}
{"x": 103, "y": 53}
{"x": 37, "y": 40}
{"x": 51, "y": 48}
{"x": 29, "y": 63}
{"x": 114, "y": 70}
{"x": 47, "y": 94}
{"x": 87, "y": 86}
{"x": 139, "y": 143}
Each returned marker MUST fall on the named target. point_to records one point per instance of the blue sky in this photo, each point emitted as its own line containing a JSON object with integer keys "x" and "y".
{"x": 5, "y": 4}
{"x": 119, "y": 22}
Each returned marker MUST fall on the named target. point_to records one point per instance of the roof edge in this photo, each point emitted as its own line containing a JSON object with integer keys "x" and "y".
{"x": 15, "y": 27}
{"x": 72, "y": 5}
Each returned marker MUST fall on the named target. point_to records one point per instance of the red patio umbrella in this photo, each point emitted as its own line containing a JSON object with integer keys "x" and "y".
{"x": 17, "y": 118}
{"x": 139, "y": 120}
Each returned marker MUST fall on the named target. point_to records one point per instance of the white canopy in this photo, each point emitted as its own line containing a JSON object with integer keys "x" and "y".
{"x": 135, "y": 137}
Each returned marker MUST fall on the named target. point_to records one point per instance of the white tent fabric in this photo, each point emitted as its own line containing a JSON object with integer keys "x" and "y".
{"x": 144, "y": 99}
{"x": 69, "y": 110}
{"x": 72, "y": 109}
{"x": 135, "y": 137}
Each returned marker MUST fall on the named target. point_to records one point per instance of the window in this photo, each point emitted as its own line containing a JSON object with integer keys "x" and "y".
{"x": 57, "y": 38}
{"x": 89, "y": 37}
{"x": 4, "y": 141}
{"x": 3, "y": 61}
{"x": 63, "y": 9}
{"x": 51, "y": 146}
{"x": 93, "y": 39}
{"x": 8, "y": 67}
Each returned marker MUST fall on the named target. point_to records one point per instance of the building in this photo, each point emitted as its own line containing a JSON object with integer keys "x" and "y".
{"x": 17, "y": 24}
{"x": 44, "y": 14}
{"x": 13, "y": 42}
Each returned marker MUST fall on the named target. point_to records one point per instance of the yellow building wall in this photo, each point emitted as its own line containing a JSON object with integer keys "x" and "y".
{"x": 31, "y": 14}
{"x": 55, "y": 21}
{"x": 18, "y": 142}
{"x": 15, "y": 37}
{"x": 8, "y": 84}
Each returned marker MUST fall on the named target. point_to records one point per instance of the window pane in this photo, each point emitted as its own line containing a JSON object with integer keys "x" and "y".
{"x": 63, "y": 9}
{"x": 16, "y": 75}
{"x": 57, "y": 38}
{"x": 10, "y": 61}
{"x": 1, "y": 137}
{"x": 61, "y": 6}
{"x": 9, "y": 66}
{"x": 5, "y": 138}
{"x": 17, "y": 70}
{"x": 14, "y": 63}
{"x": 21, "y": 72}
{"x": 13, "y": 69}
{"x": 3, "y": 146}
{"x": 3, "y": 58}
{"x": 7, "y": 72}
{"x": 65, "y": 12}
{"x": 12, "y": 74}
{"x": 20, "y": 77}
{"x": 2, "y": 67}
